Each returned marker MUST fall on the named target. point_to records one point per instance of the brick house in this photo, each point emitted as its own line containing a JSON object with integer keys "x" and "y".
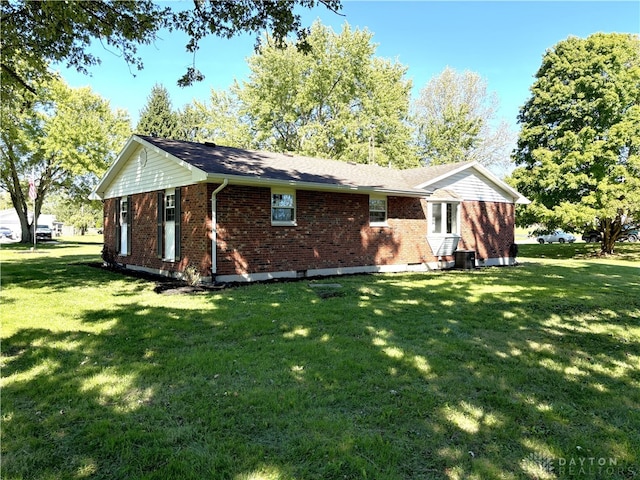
{"x": 240, "y": 215}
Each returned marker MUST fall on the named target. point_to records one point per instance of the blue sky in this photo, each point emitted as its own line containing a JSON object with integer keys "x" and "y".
{"x": 503, "y": 41}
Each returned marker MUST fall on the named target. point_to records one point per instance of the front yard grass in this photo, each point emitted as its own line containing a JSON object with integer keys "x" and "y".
{"x": 526, "y": 372}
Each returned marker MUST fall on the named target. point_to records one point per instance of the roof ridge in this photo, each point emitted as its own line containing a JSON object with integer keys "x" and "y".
{"x": 245, "y": 165}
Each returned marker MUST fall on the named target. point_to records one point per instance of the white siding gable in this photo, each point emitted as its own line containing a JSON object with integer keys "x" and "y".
{"x": 470, "y": 185}
{"x": 158, "y": 172}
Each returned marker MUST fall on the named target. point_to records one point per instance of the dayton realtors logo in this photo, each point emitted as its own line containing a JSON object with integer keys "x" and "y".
{"x": 579, "y": 466}
{"x": 537, "y": 462}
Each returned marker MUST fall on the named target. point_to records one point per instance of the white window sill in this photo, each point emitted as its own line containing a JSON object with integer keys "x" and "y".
{"x": 284, "y": 224}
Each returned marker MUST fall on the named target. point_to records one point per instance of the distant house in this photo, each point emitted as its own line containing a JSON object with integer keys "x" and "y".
{"x": 241, "y": 215}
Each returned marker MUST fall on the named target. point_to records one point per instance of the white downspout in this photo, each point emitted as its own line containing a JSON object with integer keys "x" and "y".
{"x": 214, "y": 228}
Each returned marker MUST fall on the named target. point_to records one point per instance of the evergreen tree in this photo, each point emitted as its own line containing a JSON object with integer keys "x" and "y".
{"x": 157, "y": 117}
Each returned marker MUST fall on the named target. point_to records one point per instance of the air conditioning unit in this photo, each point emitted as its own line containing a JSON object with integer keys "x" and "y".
{"x": 465, "y": 259}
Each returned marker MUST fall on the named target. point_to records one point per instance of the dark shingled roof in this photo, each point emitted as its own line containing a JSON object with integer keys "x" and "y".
{"x": 228, "y": 161}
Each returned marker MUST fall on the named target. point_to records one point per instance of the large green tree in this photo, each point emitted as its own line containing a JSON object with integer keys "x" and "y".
{"x": 75, "y": 211}
{"x": 578, "y": 153}
{"x": 35, "y": 34}
{"x": 455, "y": 119}
{"x": 64, "y": 138}
{"x": 157, "y": 117}
{"x": 219, "y": 120}
{"x": 337, "y": 100}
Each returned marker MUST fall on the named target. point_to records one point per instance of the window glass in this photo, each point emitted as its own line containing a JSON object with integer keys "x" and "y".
{"x": 282, "y": 200}
{"x": 377, "y": 210}
{"x": 170, "y": 208}
{"x": 282, "y": 207}
{"x": 451, "y": 218}
{"x": 436, "y": 218}
{"x": 124, "y": 211}
{"x": 444, "y": 218}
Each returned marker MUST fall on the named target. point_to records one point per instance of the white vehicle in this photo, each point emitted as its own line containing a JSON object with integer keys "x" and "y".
{"x": 6, "y": 232}
{"x": 557, "y": 236}
{"x": 43, "y": 232}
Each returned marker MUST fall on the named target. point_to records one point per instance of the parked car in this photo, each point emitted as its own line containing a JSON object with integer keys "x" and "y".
{"x": 43, "y": 232}
{"x": 557, "y": 236}
{"x": 592, "y": 236}
{"x": 6, "y": 232}
{"x": 629, "y": 234}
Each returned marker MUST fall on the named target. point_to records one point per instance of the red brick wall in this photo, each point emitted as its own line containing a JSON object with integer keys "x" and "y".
{"x": 488, "y": 228}
{"x": 332, "y": 231}
{"x": 195, "y": 231}
{"x": 109, "y": 230}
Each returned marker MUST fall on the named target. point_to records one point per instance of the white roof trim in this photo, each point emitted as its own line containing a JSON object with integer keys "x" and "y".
{"x": 319, "y": 187}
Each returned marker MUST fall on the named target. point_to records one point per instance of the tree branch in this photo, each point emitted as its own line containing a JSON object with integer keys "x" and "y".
{"x": 18, "y": 78}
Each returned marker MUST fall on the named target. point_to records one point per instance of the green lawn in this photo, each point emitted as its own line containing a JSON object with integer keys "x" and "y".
{"x": 528, "y": 372}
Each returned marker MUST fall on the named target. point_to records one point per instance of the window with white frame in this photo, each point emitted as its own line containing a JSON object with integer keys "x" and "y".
{"x": 123, "y": 227}
{"x": 451, "y": 218}
{"x": 377, "y": 211}
{"x": 444, "y": 218}
{"x": 283, "y": 207}
{"x": 170, "y": 207}
{"x": 124, "y": 211}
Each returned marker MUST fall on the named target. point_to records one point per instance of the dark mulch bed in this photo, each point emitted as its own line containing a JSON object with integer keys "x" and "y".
{"x": 173, "y": 286}
{"x": 164, "y": 285}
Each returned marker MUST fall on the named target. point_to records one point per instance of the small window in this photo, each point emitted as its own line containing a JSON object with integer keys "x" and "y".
{"x": 451, "y": 218}
{"x": 436, "y": 218}
{"x": 444, "y": 218}
{"x": 377, "y": 211}
{"x": 124, "y": 211}
{"x": 283, "y": 208}
{"x": 170, "y": 207}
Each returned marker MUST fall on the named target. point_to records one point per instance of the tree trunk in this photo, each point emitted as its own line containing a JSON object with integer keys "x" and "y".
{"x": 610, "y": 229}
{"x": 608, "y": 244}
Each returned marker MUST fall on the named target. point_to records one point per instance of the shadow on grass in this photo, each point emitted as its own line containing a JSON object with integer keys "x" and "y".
{"x": 483, "y": 374}
{"x": 54, "y": 268}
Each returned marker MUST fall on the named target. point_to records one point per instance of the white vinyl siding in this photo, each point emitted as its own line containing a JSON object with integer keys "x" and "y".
{"x": 159, "y": 172}
{"x": 469, "y": 186}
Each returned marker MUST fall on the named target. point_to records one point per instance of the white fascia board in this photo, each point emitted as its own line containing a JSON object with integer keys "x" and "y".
{"x": 437, "y": 199}
{"x": 320, "y": 187}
